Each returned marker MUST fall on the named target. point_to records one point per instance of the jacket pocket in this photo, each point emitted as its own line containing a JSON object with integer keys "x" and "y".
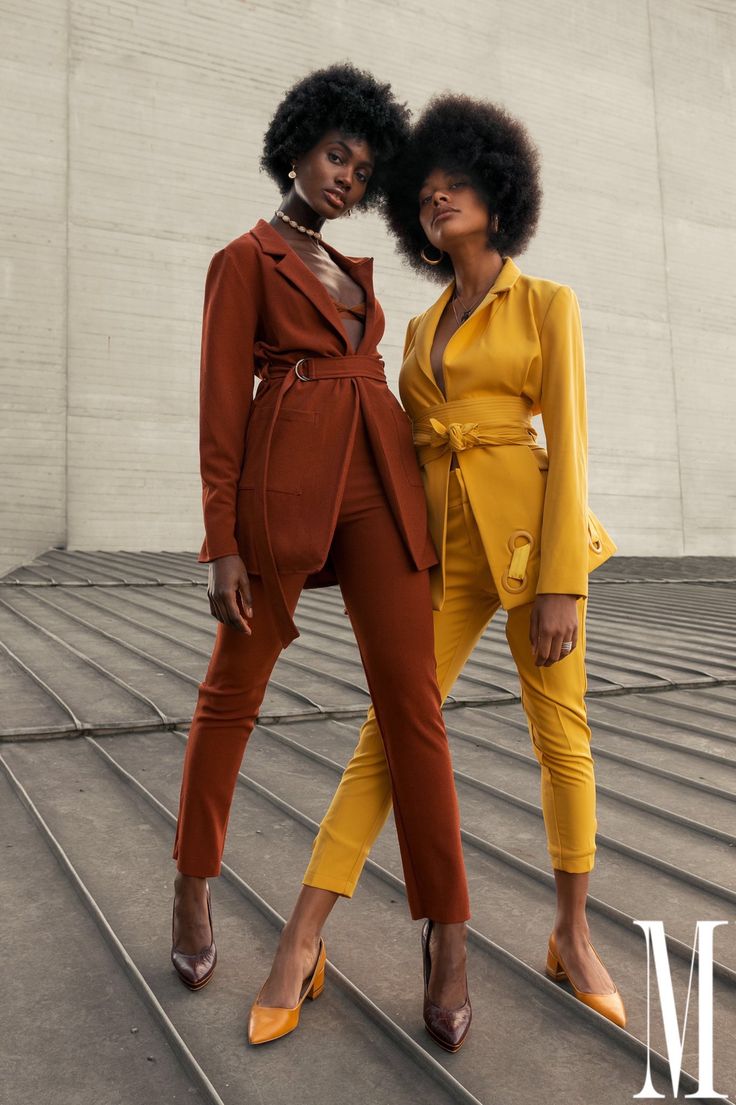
{"x": 293, "y": 446}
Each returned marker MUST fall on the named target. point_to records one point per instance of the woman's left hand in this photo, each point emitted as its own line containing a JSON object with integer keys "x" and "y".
{"x": 554, "y": 622}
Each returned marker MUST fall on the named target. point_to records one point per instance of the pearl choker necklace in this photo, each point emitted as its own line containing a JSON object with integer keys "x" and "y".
{"x": 302, "y": 229}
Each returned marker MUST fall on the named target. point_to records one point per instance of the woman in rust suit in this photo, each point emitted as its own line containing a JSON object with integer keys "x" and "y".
{"x": 313, "y": 480}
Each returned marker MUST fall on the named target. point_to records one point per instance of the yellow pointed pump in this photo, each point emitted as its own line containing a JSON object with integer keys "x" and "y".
{"x": 268, "y": 1022}
{"x": 610, "y": 1006}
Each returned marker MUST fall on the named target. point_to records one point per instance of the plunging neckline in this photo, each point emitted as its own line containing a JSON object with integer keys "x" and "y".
{"x": 352, "y": 349}
{"x": 442, "y": 385}
{"x": 442, "y": 388}
{"x": 441, "y": 381}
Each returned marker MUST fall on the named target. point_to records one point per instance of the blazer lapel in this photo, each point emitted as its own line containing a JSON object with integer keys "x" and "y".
{"x": 293, "y": 269}
{"x": 426, "y": 331}
{"x": 427, "y": 328}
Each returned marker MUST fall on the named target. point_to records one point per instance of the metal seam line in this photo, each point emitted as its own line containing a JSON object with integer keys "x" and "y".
{"x": 604, "y": 754}
{"x": 511, "y": 799}
{"x": 685, "y": 726}
{"x": 610, "y": 792}
{"x": 481, "y": 845}
{"x": 632, "y": 734}
{"x": 165, "y": 1024}
{"x": 194, "y": 649}
{"x": 478, "y": 842}
{"x": 88, "y": 661}
{"x": 423, "y": 1059}
{"x": 141, "y": 653}
{"x": 76, "y": 723}
{"x": 538, "y": 980}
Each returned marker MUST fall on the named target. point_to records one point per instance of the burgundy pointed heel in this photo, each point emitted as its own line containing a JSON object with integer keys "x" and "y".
{"x": 196, "y": 970}
{"x": 447, "y": 1027}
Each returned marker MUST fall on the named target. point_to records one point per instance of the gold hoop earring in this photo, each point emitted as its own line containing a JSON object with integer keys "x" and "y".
{"x": 292, "y": 174}
{"x": 494, "y": 227}
{"x": 429, "y": 260}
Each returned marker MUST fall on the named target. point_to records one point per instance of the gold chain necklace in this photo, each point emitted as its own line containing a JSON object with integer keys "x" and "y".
{"x": 467, "y": 311}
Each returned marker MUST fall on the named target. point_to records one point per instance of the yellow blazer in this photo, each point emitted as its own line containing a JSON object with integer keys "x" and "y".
{"x": 520, "y": 353}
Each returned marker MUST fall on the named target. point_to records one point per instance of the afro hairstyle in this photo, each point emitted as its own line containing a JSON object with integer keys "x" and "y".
{"x": 343, "y": 98}
{"x": 457, "y": 133}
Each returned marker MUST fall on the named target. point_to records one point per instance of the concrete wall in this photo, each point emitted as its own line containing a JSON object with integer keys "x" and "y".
{"x": 134, "y": 148}
{"x": 694, "y": 67}
{"x": 33, "y": 277}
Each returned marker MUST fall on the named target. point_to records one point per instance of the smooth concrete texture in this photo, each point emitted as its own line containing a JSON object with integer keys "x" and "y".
{"x": 134, "y": 140}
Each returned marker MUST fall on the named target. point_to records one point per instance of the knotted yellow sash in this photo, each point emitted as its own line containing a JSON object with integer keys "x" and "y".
{"x": 503, "y": 420}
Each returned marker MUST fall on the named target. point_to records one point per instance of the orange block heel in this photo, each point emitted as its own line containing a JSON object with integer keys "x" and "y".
{"x": 554, "y": 968}
{"x": 610, "y": 1005}
{"x": 317, "y": 986}
{"x": 269, "y": 1022}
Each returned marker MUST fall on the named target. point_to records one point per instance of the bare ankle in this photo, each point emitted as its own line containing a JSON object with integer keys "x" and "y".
{"x": 298, "y": 940}
{"x": 572, "y": 928}
{"x": 450, "y": 934}
{"x": 190, "y": 887}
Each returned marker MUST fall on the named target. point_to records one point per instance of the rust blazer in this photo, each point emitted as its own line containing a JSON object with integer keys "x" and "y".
{"x": 273, "y": 466}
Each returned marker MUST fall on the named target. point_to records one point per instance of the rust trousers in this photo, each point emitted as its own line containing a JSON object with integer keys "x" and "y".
{"x": 390, "y": 608}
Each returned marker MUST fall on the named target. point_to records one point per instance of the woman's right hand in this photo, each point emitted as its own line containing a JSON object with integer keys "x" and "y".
{"x": 228, "y": 591}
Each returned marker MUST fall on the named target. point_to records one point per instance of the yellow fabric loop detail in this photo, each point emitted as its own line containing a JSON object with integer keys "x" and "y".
{"x": 594, "y": 538}
{"x": 519, "y": 561}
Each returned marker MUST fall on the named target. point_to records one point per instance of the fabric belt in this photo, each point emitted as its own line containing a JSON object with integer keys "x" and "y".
{"x": 466, "y": 423}
{"x": 367, "y": 366}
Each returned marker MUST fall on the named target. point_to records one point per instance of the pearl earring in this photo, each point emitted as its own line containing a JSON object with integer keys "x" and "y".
{"x": 292, "y": 174}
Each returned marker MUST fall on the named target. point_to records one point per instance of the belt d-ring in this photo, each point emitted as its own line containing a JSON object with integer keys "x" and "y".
{"x": 306, "y": 379}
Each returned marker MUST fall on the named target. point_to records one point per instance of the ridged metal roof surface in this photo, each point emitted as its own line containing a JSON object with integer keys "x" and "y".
{"x": 105, "y": 650}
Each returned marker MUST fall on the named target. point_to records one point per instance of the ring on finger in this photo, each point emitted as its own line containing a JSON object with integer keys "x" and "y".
{"x": 566, "y": 647}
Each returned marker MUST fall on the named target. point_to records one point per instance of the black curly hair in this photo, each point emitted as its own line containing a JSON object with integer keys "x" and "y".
{"x": 455, "y": 132}
{"x": 344, "y": 98}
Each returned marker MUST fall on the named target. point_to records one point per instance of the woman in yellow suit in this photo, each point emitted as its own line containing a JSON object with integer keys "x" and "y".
{"x": 510, "y": 519}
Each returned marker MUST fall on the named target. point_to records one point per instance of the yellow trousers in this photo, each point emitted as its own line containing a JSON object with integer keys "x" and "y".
{"x": 553, "y": 702}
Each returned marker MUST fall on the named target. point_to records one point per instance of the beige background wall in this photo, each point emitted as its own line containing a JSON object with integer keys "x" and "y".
{"x": 131, "y": 155}
{"x": 33, "y": 277}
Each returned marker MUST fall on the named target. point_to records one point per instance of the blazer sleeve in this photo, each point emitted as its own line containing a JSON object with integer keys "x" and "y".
{"x": 564, "y": 540}
{"x": 225, "y": 396}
